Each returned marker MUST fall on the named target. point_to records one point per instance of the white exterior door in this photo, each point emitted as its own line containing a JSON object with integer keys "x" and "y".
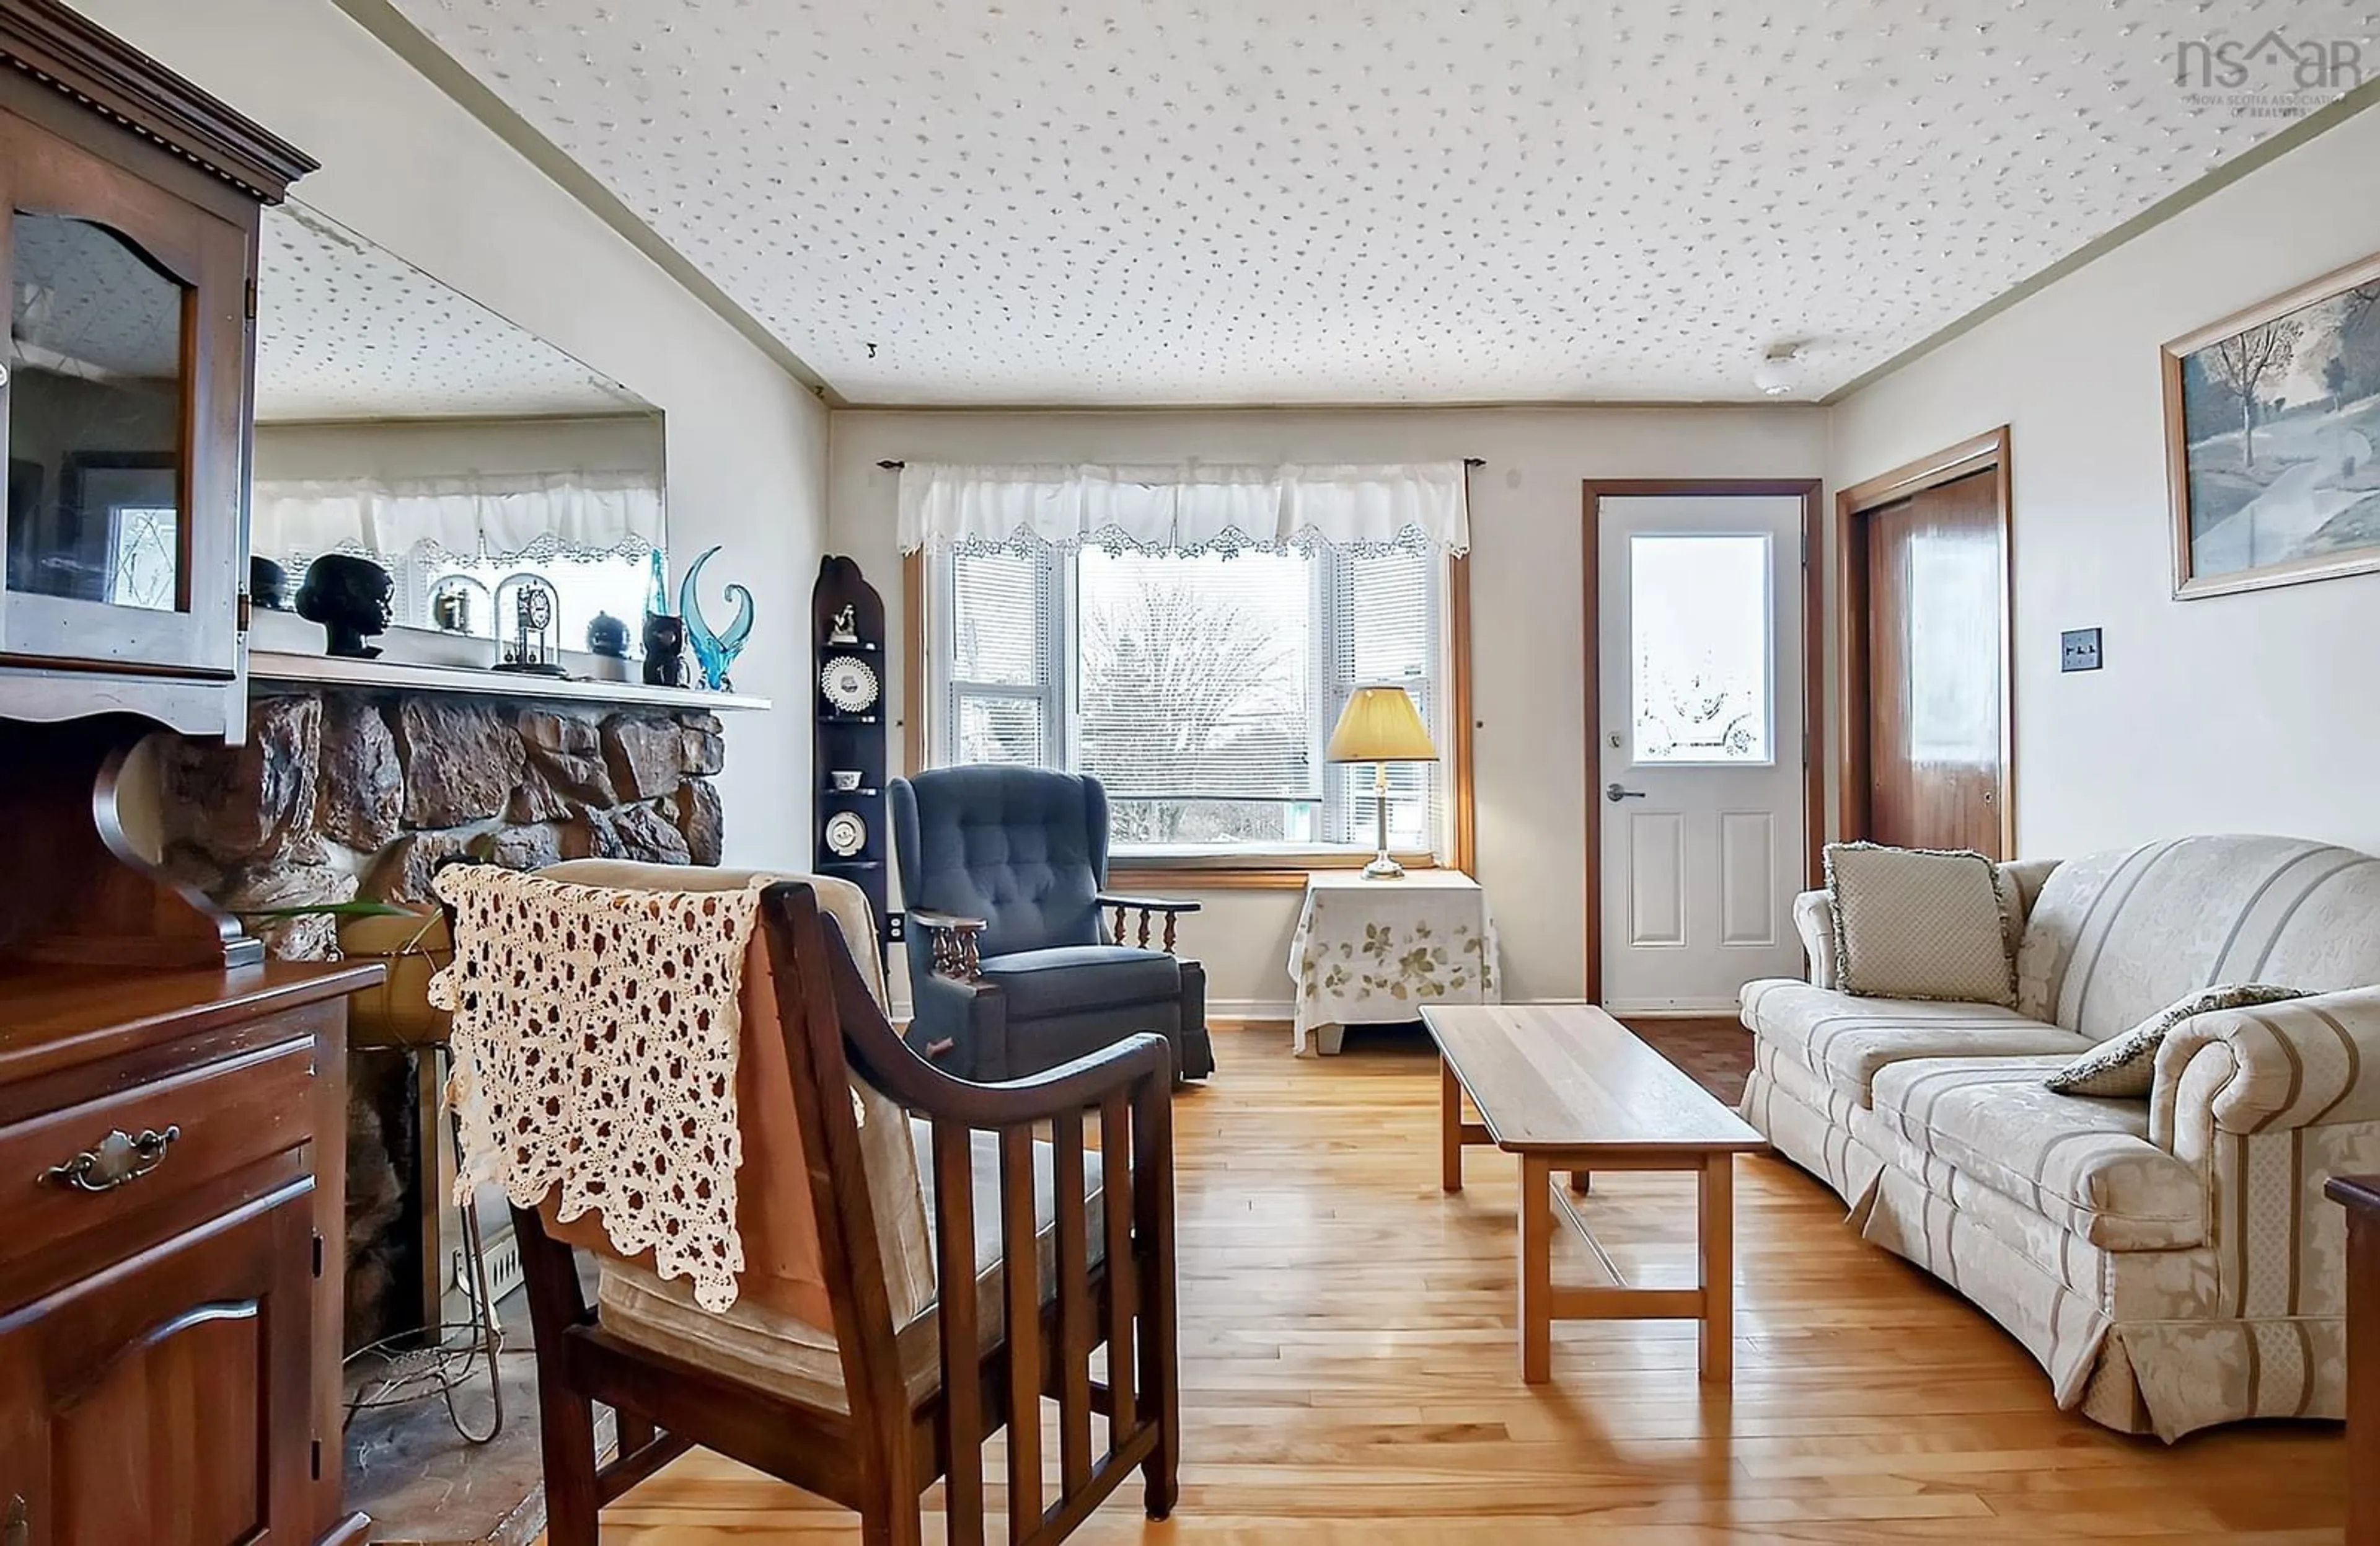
{"x": 1700, "y": 747}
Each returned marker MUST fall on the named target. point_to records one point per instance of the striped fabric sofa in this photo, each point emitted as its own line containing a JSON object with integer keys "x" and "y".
{"x": 2172, "y": 1262}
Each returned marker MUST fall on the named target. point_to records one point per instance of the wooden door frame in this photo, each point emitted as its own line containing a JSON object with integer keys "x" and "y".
{"x": 1987, "y": 452}
{"x": 1593, "y": 492}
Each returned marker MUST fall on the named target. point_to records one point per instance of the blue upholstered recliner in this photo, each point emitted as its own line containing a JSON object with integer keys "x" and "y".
{"x": 1015, "y": 965}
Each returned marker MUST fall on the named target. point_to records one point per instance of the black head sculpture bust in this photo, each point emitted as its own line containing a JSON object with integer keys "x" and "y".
{"x": 268, "y": 583}
{"x": 350, "y": 597}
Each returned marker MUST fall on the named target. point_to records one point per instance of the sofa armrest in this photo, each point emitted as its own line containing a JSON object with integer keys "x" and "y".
{"x": 1813, "y": 916}
{"x": 2302, "y": 1063}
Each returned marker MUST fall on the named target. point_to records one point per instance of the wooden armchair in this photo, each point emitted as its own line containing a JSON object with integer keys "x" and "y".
{"x": 868, "y": 1381}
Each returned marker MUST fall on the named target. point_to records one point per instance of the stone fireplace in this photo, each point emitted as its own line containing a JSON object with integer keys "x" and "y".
{"x": 343, "y": 793}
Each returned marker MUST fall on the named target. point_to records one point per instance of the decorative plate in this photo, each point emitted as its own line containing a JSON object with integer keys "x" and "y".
{"x": 845, "y": 834}
{"x": 849, "y": 684}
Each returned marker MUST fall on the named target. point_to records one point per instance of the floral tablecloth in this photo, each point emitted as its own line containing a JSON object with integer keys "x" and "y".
{"x": 1374, "y": 952}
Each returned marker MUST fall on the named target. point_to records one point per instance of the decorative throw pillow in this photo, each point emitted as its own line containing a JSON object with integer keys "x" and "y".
{"x": 2125, "y": 1065}
{"x": 1916, "y": 923}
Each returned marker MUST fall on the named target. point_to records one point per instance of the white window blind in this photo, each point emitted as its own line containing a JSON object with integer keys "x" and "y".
{"x": 1000, "y": 700}
{"x": 1388, "y": 628}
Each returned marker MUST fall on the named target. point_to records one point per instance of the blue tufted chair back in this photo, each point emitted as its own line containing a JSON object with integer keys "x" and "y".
{"x": 1024, "y": 849}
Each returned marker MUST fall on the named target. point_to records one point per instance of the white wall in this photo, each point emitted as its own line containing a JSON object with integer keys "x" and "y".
{"x": 1526, "y": 609}
{"x": 406, "y": 167}
{"x": 2256, "y": 712}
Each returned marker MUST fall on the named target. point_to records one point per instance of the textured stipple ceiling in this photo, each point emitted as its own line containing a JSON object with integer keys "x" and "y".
{"x": 347, "y": 330}
{"x": 1390, "y": 201}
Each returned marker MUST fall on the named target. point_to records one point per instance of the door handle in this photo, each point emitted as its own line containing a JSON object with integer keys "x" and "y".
{"x": 1615, "y": 794}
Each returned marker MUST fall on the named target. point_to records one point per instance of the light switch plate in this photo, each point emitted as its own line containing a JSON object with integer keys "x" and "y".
{"x": 2078, "y": 650}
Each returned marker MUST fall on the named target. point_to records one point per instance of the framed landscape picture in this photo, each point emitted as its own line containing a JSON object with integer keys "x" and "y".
{"x": 2272, "y": 423}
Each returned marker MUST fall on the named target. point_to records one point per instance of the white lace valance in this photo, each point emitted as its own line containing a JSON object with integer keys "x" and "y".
{"x": 1184, "y": 508}
{"x": 504, "y": 516}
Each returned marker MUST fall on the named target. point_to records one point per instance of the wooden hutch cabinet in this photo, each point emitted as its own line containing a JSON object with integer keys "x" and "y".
{"x": 172, "y": 1108}
{"x": 133, "y": 204}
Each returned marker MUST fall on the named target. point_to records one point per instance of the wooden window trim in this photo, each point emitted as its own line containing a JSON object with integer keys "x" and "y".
{"x": 1288, "y": 872}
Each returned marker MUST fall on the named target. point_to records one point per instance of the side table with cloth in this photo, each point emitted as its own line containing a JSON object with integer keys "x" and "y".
{"x": 1374, "y": 952}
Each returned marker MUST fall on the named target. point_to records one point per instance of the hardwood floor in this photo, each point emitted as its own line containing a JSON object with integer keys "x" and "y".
{"x": 1352, "y": 1374}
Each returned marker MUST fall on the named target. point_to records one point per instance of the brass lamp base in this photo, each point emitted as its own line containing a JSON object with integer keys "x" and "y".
{"x": 1382, "y": 867}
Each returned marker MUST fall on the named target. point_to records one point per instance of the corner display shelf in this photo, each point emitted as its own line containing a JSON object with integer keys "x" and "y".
{"x": 848, "y": 739}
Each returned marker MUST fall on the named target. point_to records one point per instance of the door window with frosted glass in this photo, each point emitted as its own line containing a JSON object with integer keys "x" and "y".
{"x": 1701, "y": 670}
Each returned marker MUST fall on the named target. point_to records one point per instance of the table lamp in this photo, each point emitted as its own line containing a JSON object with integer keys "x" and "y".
{"x": 1380, "y": 725}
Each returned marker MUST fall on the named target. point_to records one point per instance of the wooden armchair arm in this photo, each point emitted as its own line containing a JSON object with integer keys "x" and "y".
{"x": 953, "y": 940}
{"x": 1154, "y": 903}
{"x": 1173, "y": 907}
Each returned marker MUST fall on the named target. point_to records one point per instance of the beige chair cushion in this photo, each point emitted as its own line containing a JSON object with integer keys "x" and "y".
{"x": 1845, "y": 1042}
{"x": 2086, "y": 1165}
{"x": 1914, "y": 924}
{"x": 777, "y": 1353}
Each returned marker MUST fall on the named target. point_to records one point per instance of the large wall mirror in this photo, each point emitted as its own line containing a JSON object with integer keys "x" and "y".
{"x": 400, "y": 421}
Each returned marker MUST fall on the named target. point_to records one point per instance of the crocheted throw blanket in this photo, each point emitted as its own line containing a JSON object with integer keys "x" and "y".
{"x": 595, "y": 1047}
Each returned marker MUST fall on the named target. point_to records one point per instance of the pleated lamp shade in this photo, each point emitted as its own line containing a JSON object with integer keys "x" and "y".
{"x": 1380, "y": 725}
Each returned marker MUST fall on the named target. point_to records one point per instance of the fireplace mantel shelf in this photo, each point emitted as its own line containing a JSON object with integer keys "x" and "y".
{"x": 284, "y": 668}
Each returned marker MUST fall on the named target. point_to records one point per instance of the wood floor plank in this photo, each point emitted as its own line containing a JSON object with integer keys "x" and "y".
{"x": 1350, "y": 1370}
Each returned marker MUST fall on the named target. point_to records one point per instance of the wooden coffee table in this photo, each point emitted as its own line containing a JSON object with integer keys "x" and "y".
{"x": 1568, "y": 1089}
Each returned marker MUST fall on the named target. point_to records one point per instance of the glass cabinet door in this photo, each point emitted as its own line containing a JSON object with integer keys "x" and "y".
{"x": 125, "y": 397}
{"x": 96, "y": 417}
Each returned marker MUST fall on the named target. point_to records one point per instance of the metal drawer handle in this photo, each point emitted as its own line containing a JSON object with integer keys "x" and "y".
{"x": 116, "y": 1161}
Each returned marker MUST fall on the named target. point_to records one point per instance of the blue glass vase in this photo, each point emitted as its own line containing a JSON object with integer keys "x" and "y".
{"x": 714, "y": 651}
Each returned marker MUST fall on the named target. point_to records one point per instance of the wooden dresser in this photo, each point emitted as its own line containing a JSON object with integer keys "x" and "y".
{"x": 172, "y": 1109}
{"x": 172, "y": 1168}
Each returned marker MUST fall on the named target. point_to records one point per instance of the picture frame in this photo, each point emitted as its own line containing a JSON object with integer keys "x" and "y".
{"x": 2272, "y": 423}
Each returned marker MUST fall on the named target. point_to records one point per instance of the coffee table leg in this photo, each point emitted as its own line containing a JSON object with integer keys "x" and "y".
{"x": 1717, "y": 1248}
{"x": 1450, "y": 1128}
{"x": 1537, "y": 1271}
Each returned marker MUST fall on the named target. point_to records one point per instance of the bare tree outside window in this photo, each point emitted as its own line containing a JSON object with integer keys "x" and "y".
{"x": 1199, "y": 688}
{"x": 1195, "y": 677}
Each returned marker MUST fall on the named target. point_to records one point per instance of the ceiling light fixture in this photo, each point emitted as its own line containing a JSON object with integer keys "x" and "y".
{"x": 1779, "y": 368}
